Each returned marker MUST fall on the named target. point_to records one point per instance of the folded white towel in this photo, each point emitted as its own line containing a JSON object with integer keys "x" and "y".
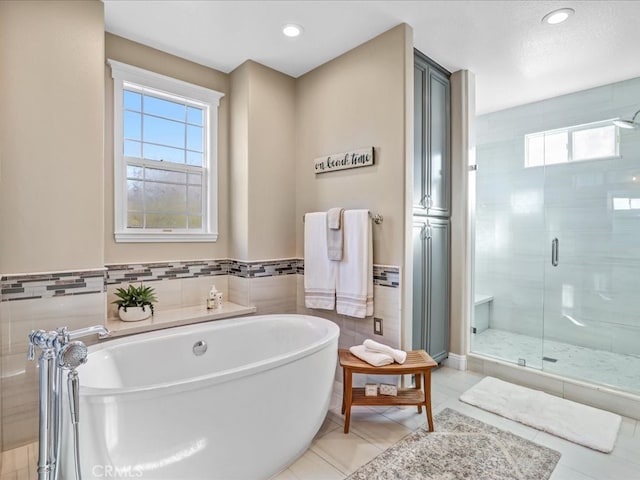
{"x": 334, "y": 218}
{"x": 399, "y": 356}
{"x": 354, "y": 283}
{"x": 373, "y": 358}
{"x": 334, "y": 233}
{"x": 319, "y": 271}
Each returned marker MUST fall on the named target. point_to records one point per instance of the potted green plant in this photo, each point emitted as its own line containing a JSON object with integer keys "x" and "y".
{"x": 135, "y": 303}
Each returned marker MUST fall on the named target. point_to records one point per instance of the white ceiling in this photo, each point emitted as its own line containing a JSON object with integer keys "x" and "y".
{"x": 515, "y": 57}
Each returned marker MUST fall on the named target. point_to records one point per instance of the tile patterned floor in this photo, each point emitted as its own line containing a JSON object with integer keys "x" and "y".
{"x": 20, "y": 463}
{"x": 334, "y": 455}
{"x": 612, "y": 369}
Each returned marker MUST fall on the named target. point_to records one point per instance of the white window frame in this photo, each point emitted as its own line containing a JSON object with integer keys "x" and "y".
{"x": 123, "y": 73}
{"x": 569, "y": 131}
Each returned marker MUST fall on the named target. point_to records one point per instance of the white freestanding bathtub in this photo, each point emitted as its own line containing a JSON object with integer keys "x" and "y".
{"x": 150, "y": 408}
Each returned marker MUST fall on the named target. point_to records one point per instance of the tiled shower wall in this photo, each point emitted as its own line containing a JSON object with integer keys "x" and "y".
{"x": 79, "y": 299}
{"x": 590, "y": 299}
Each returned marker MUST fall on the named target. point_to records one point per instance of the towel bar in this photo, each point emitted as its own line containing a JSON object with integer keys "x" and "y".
{"x": 377, "y": 218}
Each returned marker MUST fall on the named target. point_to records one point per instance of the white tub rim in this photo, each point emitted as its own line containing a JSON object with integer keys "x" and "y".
{"x": 193, "y": 383}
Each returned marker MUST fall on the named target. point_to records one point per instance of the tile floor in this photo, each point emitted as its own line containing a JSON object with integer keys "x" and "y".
{"x": 20, "y": 463}
{"x": 612, "y": 369}
{"x": 334, "y": 455}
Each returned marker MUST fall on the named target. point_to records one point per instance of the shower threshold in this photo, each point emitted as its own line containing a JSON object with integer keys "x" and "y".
{"x": 615, "y": 370}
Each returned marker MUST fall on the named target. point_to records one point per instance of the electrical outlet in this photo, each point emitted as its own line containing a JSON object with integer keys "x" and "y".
{"x": 377, "y": 326}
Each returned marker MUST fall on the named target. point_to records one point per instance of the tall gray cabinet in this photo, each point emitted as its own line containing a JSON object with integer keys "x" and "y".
{"x": 431, "y": 207}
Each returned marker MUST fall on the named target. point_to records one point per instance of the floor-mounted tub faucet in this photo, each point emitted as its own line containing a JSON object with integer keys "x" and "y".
{"x": 58, "y": 352}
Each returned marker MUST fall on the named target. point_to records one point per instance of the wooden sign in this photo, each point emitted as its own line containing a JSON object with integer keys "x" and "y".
{"x": 362, "y": 157}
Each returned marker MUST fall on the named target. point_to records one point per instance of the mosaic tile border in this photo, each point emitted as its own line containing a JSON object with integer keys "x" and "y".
{"x": 264, "y": 269}
{"x": 46, "y": 285}
{"x": 383, "y": 275}
{"x": 386, "y": 276}
{"x": 158, "y": 271}
{"x": 151, "y": 272}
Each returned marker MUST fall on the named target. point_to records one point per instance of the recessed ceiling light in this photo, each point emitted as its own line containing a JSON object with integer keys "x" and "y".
{"x": 292, "y": 30}
{"x": 558, "y": 16}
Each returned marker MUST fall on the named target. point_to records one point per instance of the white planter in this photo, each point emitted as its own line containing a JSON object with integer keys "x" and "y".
{"x": 134, "y": 314}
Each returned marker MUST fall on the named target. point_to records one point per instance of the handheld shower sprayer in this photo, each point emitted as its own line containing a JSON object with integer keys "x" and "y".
{"x": 70, "y": 357}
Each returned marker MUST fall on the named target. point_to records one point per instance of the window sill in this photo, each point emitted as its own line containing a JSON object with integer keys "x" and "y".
{"x": 175, "y": 318}
{"x": 164, "y": 237}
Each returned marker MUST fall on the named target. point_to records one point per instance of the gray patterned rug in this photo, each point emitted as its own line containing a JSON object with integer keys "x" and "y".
{"x": 461, "y": 448}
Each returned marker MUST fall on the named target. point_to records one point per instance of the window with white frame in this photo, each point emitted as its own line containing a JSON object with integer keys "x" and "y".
{"x": 165, "y": 158}
{"x": 591, "y": 141}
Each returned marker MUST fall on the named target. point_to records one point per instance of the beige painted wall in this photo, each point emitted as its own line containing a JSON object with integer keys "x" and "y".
{"x": 263, "y": 163}
{"x": 272, "y": 178}
{"x": 51, "y": 135}
{"x": 132, "y": 53}
{"x": 462, "y": 155}
{"x": 357, "y": 100}
{"x": 239, "y": 162}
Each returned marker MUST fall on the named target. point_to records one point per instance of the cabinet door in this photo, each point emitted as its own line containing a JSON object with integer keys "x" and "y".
{"x": 439, "y": 145}
{"x": 432, "y": 139}
{"x": 420, "y": 294}
{"x": 437, "y": 284}
{"x": 420, "y": 175}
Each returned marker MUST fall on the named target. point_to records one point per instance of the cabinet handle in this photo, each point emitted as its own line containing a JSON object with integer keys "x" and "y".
{"x": 554, "y": 252}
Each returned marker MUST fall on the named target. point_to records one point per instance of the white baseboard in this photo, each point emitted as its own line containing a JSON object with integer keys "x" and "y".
{"x": 459, "y": 362}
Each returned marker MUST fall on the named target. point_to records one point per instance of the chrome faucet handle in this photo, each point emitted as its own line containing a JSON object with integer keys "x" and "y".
{"x": 36, "y": 338}
{"x": 62, "y": 336}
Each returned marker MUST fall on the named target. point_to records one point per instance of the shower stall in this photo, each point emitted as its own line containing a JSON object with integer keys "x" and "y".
{"x": 557, "y": 236}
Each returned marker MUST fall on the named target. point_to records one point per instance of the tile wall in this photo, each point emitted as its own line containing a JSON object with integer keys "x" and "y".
{"x": 589, "y": 299}
{"x": 79, "y": 299}
{"x": 354, "y": 331}
{"x": 19, "y": 385}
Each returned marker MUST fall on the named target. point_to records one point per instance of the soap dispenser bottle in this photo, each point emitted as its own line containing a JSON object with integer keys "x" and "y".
{"x": 211, "y": 299}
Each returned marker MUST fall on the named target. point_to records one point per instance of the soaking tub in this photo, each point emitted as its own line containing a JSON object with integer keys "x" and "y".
{"x": 155, "y": 406}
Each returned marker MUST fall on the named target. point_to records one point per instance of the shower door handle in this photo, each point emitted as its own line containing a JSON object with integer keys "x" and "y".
{"x": 554, "y": 252}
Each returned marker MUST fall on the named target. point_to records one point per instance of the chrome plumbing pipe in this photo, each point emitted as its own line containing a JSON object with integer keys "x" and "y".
{"x": 46, "y": 458}
{"x": 48, "y": 414}
{"x": 100, "y": 330}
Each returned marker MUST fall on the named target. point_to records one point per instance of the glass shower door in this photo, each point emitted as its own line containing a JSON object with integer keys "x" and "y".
{"x": 507, "y": 318}
{"x": 591, "y": 322}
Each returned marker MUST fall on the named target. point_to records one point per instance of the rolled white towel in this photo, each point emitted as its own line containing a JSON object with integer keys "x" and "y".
{"x": 399, "y": 356}
{"x": 374, "y": 358}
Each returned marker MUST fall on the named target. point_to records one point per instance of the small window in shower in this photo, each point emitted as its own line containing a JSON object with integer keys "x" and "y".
{"x": 595, "y": 142}
{"x": 626, "y": 203}
{"x": 592, "y": 141}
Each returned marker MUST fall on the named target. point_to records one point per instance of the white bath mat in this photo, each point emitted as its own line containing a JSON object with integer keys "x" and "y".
{"x": 578, "y": 423}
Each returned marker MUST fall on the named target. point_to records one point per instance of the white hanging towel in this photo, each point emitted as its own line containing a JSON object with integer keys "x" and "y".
{"x": 319, "y": 271}
{"x": 354, "y": 284}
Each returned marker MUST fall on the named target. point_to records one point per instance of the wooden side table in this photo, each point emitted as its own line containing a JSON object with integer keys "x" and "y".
{"x": 418, "y": 363}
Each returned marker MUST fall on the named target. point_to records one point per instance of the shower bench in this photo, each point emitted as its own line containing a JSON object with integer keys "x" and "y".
{"x": 418, "y": 363}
